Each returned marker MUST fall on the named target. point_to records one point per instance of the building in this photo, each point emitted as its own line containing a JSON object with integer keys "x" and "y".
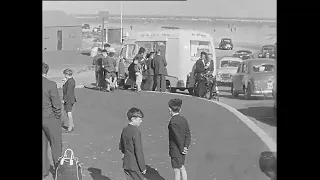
{"x": 60, "y": 31}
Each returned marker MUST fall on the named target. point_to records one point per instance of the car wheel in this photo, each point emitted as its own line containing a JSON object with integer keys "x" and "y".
{"x": 233, "y": 93}
{"x": 247, "y": 92}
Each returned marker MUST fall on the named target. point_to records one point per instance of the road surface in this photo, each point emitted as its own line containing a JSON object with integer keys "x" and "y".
{"x": 222, "y": 146}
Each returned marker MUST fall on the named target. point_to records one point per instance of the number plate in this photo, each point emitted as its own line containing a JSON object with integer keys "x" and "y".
{"x": 270, "y": 85}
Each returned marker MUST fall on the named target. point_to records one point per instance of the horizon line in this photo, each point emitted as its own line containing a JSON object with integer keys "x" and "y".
{"x": 147, "y": 15}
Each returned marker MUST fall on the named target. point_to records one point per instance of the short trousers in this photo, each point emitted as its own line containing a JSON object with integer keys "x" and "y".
{"x": 68, "y": 107}
{"x": 134, "y": 175}
{"x": 177, "y": 162}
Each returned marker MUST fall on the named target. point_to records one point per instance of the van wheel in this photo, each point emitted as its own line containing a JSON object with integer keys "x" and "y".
{"x": 247, "y": 92}
{"x": 233, "y": 93}
{"x": 173, "y": 90}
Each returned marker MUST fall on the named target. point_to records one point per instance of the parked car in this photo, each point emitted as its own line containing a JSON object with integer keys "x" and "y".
{"x": 268, "y": 51}
{"x": 227, "y": 68}
{"x": 254, "y": 77}
{"x": 243, "y": 54}
{"x": 226, "y": 44}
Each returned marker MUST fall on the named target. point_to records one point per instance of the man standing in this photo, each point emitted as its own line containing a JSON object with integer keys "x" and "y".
{"x": 160, "y": 70}
{"x": 150, "y": 71}
{"x": 201, "y": 68}
{"x": 51, "y": 124}
{"x": 97, "y": 66}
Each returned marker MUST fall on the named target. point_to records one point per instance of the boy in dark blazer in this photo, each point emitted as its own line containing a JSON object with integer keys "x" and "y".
{"x": 68, "y": 96}
{"x": 131, "y": 146}
{"x": 179, "y": 138}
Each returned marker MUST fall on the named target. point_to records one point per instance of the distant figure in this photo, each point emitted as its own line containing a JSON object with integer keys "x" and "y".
{"x": 69, "y": 98}
{"x": 131, "y": 81}
{"x": 150, "y": 69}
{"x": 160, "y": 70}
{"x": 234, "y": 27}
{"x": 138, "y": 72}
{"x": 214, "y": 30}
{"x": 110, "y": 69}
{"x": 130, "y": 146}
{"x": 97, "y": 67}
{"x": 131, "y": 28}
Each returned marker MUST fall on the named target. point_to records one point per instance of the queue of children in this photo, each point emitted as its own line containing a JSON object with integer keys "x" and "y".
{"x": 131, "y": 143}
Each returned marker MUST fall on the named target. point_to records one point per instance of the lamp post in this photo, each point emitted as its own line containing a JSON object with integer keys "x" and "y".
{"x": 104, "y": 15}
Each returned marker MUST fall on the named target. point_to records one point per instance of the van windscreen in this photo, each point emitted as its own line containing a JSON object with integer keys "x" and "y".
{"x": 196, "y": 47}
{"x": 153, "y": 46}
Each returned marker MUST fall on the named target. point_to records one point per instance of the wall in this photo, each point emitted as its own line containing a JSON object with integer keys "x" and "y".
{"x": 71, "y": 38}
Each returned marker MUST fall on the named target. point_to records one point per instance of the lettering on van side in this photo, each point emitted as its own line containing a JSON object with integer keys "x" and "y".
{"x": 198, "y": 34}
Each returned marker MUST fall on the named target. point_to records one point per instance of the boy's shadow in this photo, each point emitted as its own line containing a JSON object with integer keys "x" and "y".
{"x": 96, "y": 174}
{"x": 152, "y": 174}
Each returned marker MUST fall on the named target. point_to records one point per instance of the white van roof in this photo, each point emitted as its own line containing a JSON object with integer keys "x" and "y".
{"x": 172, "y": 33}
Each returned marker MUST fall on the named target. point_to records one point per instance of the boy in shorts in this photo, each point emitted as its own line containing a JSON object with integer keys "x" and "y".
{"x": 131, "y": 146}
{"x": 69, "y": 96}
{"x": 179, "y": 138}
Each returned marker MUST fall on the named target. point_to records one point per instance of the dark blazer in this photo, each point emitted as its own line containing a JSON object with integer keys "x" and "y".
{"x": 179, "y": 135}
{"x": 94, "y": 62}
{"x": 68, "y": 91}
{"x": 51, "y": 103}
{"x": 199, "y": 69}
{"x": 131, "y": 146}
{"x": 159, "y": 64}
{"x": 150, "y": 66}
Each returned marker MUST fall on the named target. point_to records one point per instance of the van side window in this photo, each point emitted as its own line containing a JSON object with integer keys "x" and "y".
{"x": 244, "y": 66}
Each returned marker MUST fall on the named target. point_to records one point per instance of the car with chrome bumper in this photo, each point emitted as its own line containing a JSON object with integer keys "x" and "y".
{"x": 243, "y": 54}
{"x": 254, "y": 77}
{"x": 226, "y": 44}
{"x": 227, "y": 68}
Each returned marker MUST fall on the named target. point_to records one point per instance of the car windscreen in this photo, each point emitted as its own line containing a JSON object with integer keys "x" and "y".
{"x": 226, "y": 40}
{"x": 263, "y": 67}
{"x": 229, "y": 63}
{"x": 243, "y": 52}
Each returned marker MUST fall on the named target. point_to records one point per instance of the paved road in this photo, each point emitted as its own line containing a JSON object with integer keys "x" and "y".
{"x": 222, "y": 146}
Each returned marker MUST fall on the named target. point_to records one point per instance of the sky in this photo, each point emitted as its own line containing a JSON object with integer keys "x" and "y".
{"x": 214, "y": 8}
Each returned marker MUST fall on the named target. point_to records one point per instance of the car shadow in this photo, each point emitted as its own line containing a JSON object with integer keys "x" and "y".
{"x": 152, "y": 174}
{"x": 263, "y": 114}
{"x": 95, "y": 173}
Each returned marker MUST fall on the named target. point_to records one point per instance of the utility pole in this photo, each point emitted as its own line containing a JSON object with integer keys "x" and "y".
{"x": 121, "y": 31}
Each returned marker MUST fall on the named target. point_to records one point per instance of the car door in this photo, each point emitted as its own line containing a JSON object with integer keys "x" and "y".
{"x": 237, "y": 77}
